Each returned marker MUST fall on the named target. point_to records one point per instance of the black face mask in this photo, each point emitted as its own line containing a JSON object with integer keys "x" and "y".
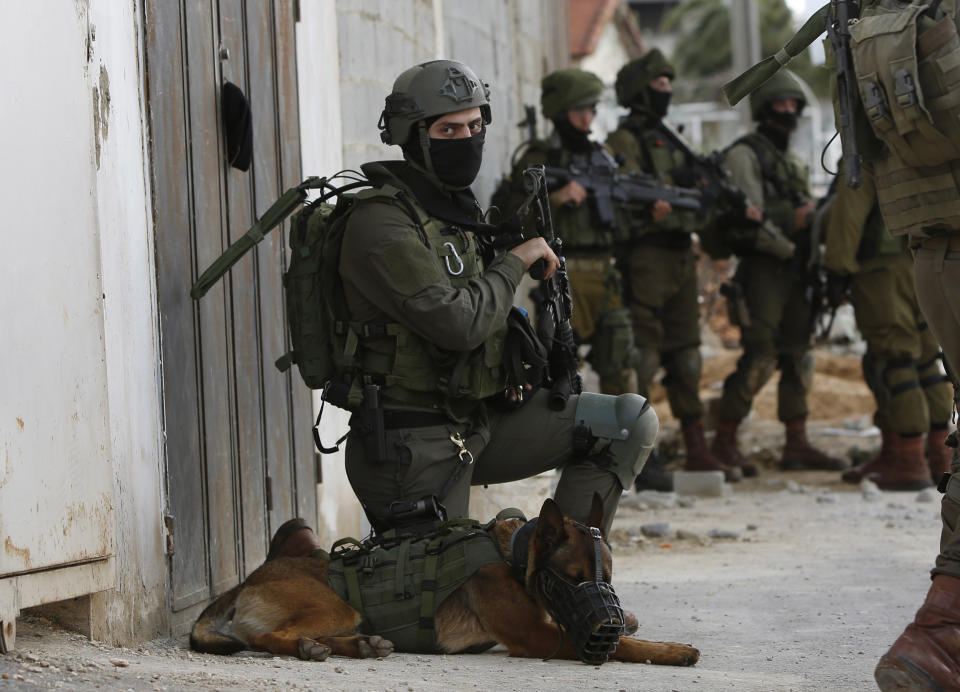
{"x": 787, "y": 121}
{"x": 572, "y": 138}
{"x": 456, "y": 162}
{"x": 659, "y": 101}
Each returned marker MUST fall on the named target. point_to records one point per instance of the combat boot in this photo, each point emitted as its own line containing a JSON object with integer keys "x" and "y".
{"x": 938, "y": 454}
{"x": 800, "y": 455}
{"x": 699, "y": 457}
{"x": 727, "y": 451}
{"x": 927, "y": 654}
{"x": 654, "y": 475}
{"x": 887, "y": 456}
{"x": 908, "y": 470}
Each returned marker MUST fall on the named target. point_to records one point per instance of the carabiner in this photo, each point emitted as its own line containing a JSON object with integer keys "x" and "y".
{"x": 459, "y": 260}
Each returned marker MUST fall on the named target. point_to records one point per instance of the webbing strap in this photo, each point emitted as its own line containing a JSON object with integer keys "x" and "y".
{"x": 428, "y": 595}
{"x": 403, "y": 553}
{"x": 353, "y": 586}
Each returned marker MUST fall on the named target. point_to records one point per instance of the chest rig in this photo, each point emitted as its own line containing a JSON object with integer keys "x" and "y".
{"x": 409, "y": 368}
{"x": 784, "y": 182}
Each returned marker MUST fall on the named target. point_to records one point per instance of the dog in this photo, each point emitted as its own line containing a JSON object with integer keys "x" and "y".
{"x": 286, "y": 606}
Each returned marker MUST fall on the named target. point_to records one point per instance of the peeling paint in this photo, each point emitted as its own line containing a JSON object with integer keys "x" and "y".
{"x": 20, "y": 422}
{"x": 20, "y": 553}
{"x": 101, "y": 111}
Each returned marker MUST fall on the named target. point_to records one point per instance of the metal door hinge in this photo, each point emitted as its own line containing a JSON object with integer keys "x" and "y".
{"x": 268, "y": 490}
{"x": 318, "y": 463}
{"x": 296, "y": 10}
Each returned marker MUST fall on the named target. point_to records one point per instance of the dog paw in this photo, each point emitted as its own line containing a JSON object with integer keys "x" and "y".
{"x": 375, "y": 646}
{"x": 630, "y": 623}
{"x": 310, "y": 650}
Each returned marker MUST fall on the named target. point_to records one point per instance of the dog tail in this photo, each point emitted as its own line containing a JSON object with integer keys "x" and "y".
{"x": 206, "y": 635}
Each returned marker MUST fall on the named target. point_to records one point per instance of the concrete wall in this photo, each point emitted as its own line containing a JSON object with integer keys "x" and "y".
{"x": 80, "y": 422}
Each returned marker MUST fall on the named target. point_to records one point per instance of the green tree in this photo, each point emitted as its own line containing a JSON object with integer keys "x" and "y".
{"x": 704, "y": 57}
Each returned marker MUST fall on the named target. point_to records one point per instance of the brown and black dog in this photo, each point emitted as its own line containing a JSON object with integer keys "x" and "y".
{"x": 287, "y": 608}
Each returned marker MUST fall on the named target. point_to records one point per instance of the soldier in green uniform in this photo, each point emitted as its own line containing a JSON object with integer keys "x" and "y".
{"x": 432, "y": 318}
{"x": 914, "y": 146}
{"x": 659, "y": 263}
{"x": 772, "y": 279}
{"x": 568, "y": 99}
{"x": 902, "y": 364}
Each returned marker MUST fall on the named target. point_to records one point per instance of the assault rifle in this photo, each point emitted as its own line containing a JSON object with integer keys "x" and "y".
{"x": 607, "y": 188}
{"x": 556, "y": 308}
{"x": 842, "y": 12}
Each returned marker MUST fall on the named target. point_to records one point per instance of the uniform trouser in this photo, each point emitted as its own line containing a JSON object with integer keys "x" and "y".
{"x": 778, "y": 335}
{"x": 662, "y": 294}
{"x": 937, "y": 276}
{"x": 902, "y": 365}
{"x": 505, "y": 447}
{"x": 600, "y": 319}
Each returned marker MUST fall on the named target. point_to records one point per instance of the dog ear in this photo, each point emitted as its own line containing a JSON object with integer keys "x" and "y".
{"x": 550, "y": 530}
{"x": 596, "y": 512}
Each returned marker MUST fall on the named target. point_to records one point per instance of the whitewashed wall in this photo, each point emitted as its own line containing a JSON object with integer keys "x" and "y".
{"x": 80, "y": 461}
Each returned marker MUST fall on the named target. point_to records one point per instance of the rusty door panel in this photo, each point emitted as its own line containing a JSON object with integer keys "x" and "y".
{"x": 276, "y": 387}
{"x": 290, "y": 173}
{"x": 248, "y": 358}
{"x": 176, "y": 269}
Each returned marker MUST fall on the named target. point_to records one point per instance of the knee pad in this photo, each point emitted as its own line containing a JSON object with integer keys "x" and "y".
{"x": 799, "y": 366}
{"x": 612, "y": 348}
{"x": 685, "y": 365}
{"x": 626, "y": 426}
{"x": 758, "y": 370}
{"x": 646, "y": 361}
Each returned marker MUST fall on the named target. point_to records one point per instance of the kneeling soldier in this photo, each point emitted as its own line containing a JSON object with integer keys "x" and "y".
{"x": 432, "y": 317}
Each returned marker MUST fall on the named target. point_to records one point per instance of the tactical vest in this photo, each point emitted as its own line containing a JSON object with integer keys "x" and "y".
{"x": 408, "y": 367}
{"x": 784, "y": 182}
{"x": 398, "y": 584}
{"x": 576, "y": 225}
{"x": 908, "y": 72}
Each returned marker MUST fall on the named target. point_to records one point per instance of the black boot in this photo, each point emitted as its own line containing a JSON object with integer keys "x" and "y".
{"x": 654, "y": 476}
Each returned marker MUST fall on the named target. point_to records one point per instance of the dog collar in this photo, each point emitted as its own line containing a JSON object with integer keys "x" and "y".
{"x": 520, "y": 549}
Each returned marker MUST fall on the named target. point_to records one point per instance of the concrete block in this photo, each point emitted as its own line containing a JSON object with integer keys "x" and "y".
{"x": 702, "y": 483}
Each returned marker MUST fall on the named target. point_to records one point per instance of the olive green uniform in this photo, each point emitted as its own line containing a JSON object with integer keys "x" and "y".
{"x": 660, "y": 274}
{"x": 433, "y": 321}
{"x": 779, "y": 331}
{"x": 599, "y": 318}
{"x": 902, "y": 363}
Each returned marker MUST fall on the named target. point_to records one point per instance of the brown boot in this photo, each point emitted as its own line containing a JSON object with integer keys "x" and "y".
{"x": 927, "y": 654}
{"x": 886, "y": 457}
{"x": 727, "y": 451}
{"x": 800, "y": 455}
{"x": 294, "y": 538}
{"x": 699, "y": 457}
{"x": 938, "y": 454}
{"x": 908, "y": 470}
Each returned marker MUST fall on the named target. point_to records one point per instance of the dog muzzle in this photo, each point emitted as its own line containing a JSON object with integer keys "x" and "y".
{"x": 589, "y": 612}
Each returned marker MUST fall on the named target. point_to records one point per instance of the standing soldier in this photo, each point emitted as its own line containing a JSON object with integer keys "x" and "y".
{"x": 773, "y": 280}
{"x": 660, "y": 265}
{"x": 429, "y": 319}
{"x": 569, "y": 100}
{"x": 902, "y": 364}
{"x": 900, "y": 90}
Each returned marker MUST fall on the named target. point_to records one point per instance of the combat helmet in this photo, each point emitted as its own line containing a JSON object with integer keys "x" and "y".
{"x": 782, "y": 85}
{"x": 568, "y": 89}
{"x": 633, "y": 78}
{"x": 428, "y": 90}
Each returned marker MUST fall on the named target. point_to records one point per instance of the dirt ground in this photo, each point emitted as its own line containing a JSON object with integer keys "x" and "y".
{"x": 789, "y": 582}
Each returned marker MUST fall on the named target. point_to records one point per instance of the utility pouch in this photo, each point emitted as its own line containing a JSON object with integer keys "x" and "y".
{"x": 408, "y": 512}
{"x": 908, "y": 70}
{"x": 736, "y": 304}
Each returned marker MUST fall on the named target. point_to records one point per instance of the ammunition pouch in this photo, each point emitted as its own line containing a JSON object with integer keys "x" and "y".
{"x": 589, "y": 612}
{"x": 737, "y": 310}
{"x": 612, "y": 349}
{"x": 908, "y": 70}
